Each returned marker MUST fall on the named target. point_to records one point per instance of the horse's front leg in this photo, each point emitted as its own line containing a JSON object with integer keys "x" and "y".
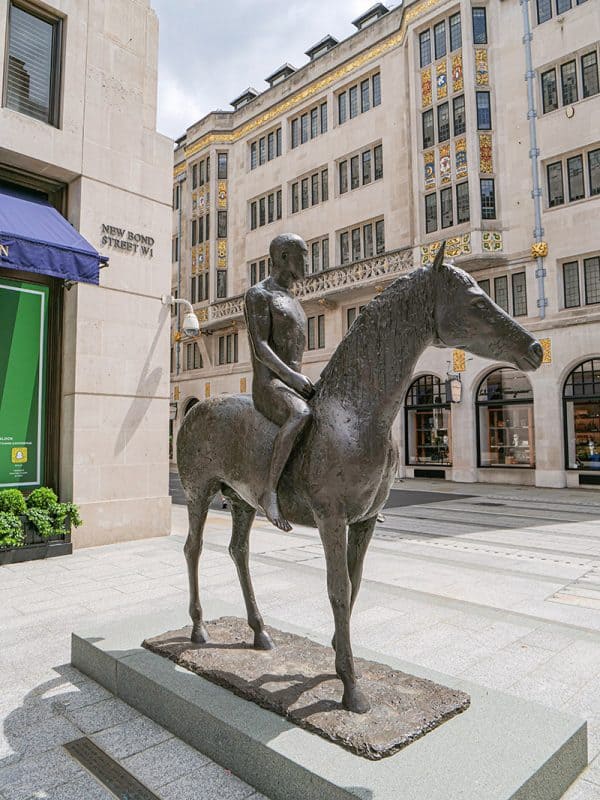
{"x": 333, "y": 536}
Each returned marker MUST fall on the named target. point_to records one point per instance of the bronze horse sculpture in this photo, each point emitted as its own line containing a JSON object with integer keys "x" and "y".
{"x": 341, "y": 471}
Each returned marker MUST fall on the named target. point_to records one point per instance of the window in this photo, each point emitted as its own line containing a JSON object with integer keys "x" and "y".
{"x": 295, "y": 132}
{"x": 568, "y": 79}
{"x": 458, "y": 111}
{"x": 376, "y": 80}
{"x": 325, "y": 252}
{"x": 193, "y": 357}
{"x": 221, "y": 283}
{"x": 594, "y": 171}
{"x": 366, "y": 167}
{"x": 342, "y": 108}
{"x": 304, "y": 193}
{"x": 428, "y": 132}
{"x": 462, "y": 202}
{"x": 368, "y": 240}
{"x": 549, "y": 91}
{"x": 484, "y": 285}
{"x": 324, "y": 185}
{"x": 572, "y": 297}
{"x": 262, "y": 155}
{"x": 353, "y": 101}
{"x": 295, "y": 198}
{"x": 262, "y": 217}
{"x": 575, "y": 178}
{"x": 351, "y": 315}
{"x": 484, "y": 114}
{"x": 488, "y": 198}
{"x": 315, "y": 256}
{"x": 544, "y": 10}
{"x": 304, "y": 128}
{"x": 270, "y": 207}
{"x": 354, "y": 173}
{"x": 427, "y": 422}
{"x": 589, "y": 74}
{"x": 200, "y": 230}
{"x": 314, "y": 189}
{"x": 309, "y": 125}
{"x": 556, "y": 195}
{"x": 365, "y": 96}
{"x": 228, "y": 349}
{"x": 222, "y": 224}
{"x": 253, "y": 216}
{"x": 176, "y": 194}
{"x": 378, "y": 159}
{"x": 455, "y": 32}
{"x": 343, "y": 170}
{"x": 479, "y": 26}
{"x": 279, "y": 202}
{"x": 356, "y": 244}
{"x": 33, "y": 65}
{"x": 581, "y": 409}
{"x": 314, "y": 123}
{"x": 505, "y": 420}
{"x": 591, "y": 276}
{"x": 175, "y": 249}
{"x": 207, "y": 221}
{"x": 439, "y": 35}
{"x": 203, "y": 286}
{"x": 278, "y": 147}
{"x": 324, "y": 117}
{"x": 222, "y": 166}
{"x": 562, "y": 6}
{"x": 259, "y": 270}
{"x": 316, "y": 332}
{"x": 443, "y": 115}
{"x": 271, "y": 146}
{"x": 194, "y": 176}
{"x": 519, "y": 294}
{"x": 379, "y": 237}
{"x": 501, "y": 292}
{"x": 430, "y": 213}
{"x": 345, "y": 247}
{"x": 425, "y": 48}
{"x": 446, "y": 208}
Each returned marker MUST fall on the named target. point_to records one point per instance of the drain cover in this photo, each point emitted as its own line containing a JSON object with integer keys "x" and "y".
{"x": 494, "y": 505}
{"x": 112, "y": 775}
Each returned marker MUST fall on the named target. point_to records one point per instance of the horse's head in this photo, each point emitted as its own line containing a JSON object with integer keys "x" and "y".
{"x": 467, "y": 318}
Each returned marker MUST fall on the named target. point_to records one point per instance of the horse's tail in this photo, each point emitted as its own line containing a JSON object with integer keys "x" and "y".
{"x": 193, "y": 449}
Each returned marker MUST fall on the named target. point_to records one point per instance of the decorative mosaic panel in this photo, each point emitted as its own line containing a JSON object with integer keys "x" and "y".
{"x": 207, "y": 390}
{"x": 426, "y": 88}
{"x": 429, "y": 168}
{"x": 243, "y": 385}
{"x": 222, "y": 195}
{"x": 202, "y": 314}
{"x": 176, "y": 393}
{"x": 456, "y": 246}
{"x": 460, "y": 151}
{"x": 482, "y": 75}
{"x": 459, "y": 361}
{"x": 441, "y": 71}
{"x": 445, "y": 164}
{"x": 457, "y": 73}
{"x": 222, "y": 253}
{"x": 486, "y": 162}
{"x": 547, "y": 348}
{"x": 206, "y": 255}
{"x": 491, "y": 241}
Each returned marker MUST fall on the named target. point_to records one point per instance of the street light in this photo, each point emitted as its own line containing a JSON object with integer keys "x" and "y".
{"x": 190, "y": 325}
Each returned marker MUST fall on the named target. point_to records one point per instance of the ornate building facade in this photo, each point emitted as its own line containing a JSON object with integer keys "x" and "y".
{"x": 470, "y": 122}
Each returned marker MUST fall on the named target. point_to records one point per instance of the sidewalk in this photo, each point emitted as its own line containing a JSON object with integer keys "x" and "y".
{"x": 499, "y": 584}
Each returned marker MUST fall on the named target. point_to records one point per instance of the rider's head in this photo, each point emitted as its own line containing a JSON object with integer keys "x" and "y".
{"x": 289, "y": 257}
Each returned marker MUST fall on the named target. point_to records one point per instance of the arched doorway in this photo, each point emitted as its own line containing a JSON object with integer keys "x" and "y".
{"x": 505, "y": 429}
{"x": 581, "y": 403}
{"x": 190, "y": 404}
{"x": 428, "y": 423}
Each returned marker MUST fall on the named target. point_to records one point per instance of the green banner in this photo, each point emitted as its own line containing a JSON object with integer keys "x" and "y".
{"x": 23, "y": 331}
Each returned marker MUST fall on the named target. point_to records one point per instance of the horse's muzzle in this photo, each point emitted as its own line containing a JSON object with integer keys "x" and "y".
{"x": 533, "y": 358}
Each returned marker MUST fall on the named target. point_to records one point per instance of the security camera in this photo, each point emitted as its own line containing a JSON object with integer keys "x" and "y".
{"x": 191, "y": 326}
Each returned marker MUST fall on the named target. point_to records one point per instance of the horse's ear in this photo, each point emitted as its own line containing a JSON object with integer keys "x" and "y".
{"x": 438, "y": 261}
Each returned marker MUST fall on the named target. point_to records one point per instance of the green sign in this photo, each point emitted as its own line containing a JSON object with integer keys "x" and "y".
{"x": 23, "y": 331}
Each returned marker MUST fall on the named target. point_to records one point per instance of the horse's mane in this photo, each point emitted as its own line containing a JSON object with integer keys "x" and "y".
{"x": 393, "y": 315}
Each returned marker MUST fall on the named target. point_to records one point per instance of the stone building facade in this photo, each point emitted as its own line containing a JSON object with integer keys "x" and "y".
{"x": 78, "y": 139}
{"x": 472, "y": 122}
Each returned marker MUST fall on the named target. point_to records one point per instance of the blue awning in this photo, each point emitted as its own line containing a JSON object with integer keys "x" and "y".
{"x": 36, "y": 238}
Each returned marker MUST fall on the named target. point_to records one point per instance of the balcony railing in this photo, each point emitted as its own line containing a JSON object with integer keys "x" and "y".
{"x": 328, "y": 282}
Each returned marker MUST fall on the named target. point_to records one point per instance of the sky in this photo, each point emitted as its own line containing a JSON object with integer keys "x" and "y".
{"x": 211, "y": 50}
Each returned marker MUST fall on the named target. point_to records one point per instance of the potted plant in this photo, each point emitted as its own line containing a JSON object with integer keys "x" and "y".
{"x": 36, "y": 526}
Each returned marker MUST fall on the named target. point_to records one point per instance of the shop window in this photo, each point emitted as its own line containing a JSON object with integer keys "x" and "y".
{"x": 428, "y": 422}
{"x": 479, "y": 26}
{"x": 506, "y": 436}
{"x": 581, "y": 408}
{"x": 32, "y": 77}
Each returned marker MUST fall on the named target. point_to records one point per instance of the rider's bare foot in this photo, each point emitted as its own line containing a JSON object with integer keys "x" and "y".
{"x": 270, "y": 505}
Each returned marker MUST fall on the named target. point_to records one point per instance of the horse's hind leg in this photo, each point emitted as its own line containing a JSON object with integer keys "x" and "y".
{"x": 197, "y": 510}
{"x": 242, "y": 516}
{"x": 359, "y": 538}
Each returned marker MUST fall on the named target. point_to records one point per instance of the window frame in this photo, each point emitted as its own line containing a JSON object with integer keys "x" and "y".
{"x": 481, "y": 36}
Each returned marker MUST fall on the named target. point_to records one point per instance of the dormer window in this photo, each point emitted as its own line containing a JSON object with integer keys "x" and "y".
{"x": 370, "y": 16}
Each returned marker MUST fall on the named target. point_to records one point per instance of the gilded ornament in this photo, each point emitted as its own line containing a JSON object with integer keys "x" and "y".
{"x": 457, "y": 73}
{"x": 441, "y": 80}
{"x": 486, "y": 163}
{"x": 445, "y": 164}
{"x": 547, "y": 348}
{"x": 491, "y": 241}
{"x": 460, "y": 149}
{"x": 426, "y": 91}
{"x": 539, "y": 250}
{"x": 207, "y": 390}
{"x": 222, "y": 195}
{"x": 243, "y": 385}
{"x": 482, "y": 76}
{"x": 429, "y": 169}
{"x": 459, "y": 361}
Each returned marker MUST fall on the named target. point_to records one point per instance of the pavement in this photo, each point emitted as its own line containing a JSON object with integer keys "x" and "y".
{"x": 498, "y": 584}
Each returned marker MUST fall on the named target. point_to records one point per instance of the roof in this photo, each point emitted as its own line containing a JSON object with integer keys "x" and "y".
{"x": 325, "y": 44}
{"x": 373, "y": 13}
{"x": 246, "y": 96}
{"x": 284, "y": 71}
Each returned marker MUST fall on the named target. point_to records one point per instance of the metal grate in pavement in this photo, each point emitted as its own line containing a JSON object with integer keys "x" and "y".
{"x": 107, "y": 772}
{"x": 584, "y": 592}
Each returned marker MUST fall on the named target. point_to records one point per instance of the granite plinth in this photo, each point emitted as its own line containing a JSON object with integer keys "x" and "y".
{"x": 296, "y": 680}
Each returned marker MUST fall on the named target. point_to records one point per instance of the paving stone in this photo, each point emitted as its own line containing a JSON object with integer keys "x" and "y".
{"x": 208, "y": 783}
{"x": 44, "y": 734}
{"x": 38, "y": 773}
{"x": 582, "y": 790}
{"x": 131, "y": 737}
{"x": 85, "y": 788}
{"x": 98, "y": 716}
{"x": 164, "y": 763}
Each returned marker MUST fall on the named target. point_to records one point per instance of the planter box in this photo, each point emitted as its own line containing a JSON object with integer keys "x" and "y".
{"x": 37, "y": 546}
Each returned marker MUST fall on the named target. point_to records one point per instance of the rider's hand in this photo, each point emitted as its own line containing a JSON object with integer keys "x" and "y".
{"x": 303, "y": 386}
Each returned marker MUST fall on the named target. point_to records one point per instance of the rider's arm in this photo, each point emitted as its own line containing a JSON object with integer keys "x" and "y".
{"x": 258, "y": 321}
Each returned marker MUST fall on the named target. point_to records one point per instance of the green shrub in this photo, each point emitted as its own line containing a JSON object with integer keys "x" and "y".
{"x": 42, "y": 520}
{"x": 11, "y": 530}
{"x": 12, "y": 502}
{"x": 42, "y": 498}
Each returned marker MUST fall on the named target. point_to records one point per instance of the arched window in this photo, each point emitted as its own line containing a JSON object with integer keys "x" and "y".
{"x": 427, "y": 416}
{"x": 581, "y": 401}
{"x": 190, "y": 404}
{"x": 506, "y": 436}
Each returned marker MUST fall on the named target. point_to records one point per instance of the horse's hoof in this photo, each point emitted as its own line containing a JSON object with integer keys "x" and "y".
{"x": 199, "y": 634}
{"x": 262, "y": 641}
{"x": 354, "y": 700}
